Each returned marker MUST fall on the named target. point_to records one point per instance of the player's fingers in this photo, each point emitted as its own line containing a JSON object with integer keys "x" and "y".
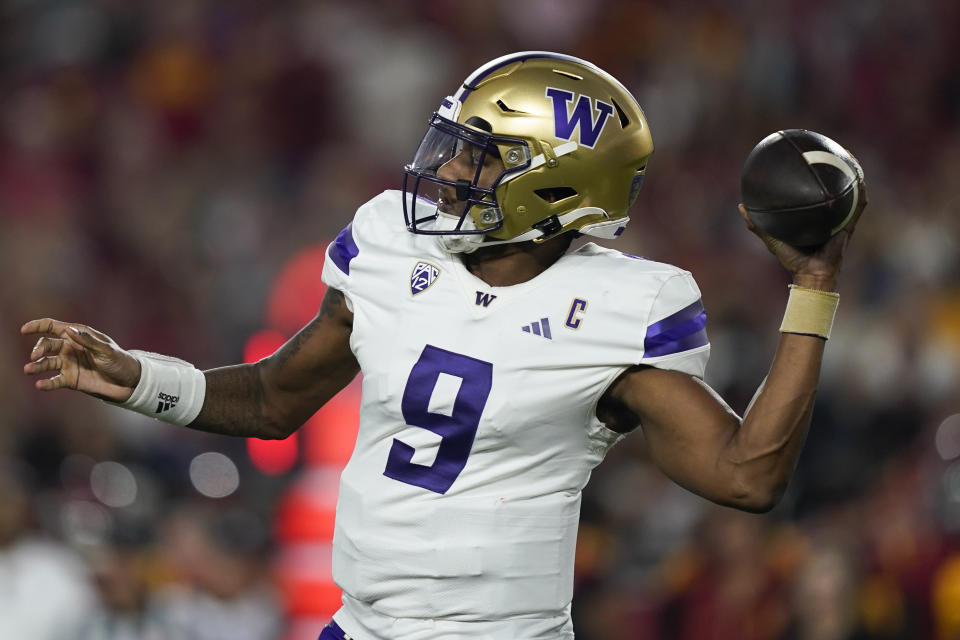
{"x": 59, "y": 329}
{"x": 849, "y": 228}
{"x": 50, "y": 384}
{"x": 772, "y": 243}
{"x": 40, "y": 365}
{"x": 46, "y": 346}
{"x": 746, "y": 217}
{"x": 47, "y": 326}
{"x": 82, "y": 336}
{"x": 99, "y": 335}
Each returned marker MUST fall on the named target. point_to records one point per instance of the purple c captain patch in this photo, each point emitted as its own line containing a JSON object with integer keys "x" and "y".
{"x": 424, "y": 274}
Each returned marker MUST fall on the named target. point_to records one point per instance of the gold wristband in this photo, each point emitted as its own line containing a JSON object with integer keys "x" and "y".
{"x": 809, "y": 311}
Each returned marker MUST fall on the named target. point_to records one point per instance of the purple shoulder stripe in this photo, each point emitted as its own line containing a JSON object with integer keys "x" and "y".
{"x": 681, "y": 331}
{"x": 332, "y": 632}
{"x": 344, "y": 249}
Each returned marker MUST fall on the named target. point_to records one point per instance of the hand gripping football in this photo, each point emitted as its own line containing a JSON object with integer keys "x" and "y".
{"x": 800, "y": 187}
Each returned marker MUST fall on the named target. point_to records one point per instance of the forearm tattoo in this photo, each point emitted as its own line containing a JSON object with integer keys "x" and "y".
{"x": 234, "y": 400}
{"x": 333, "y": 302}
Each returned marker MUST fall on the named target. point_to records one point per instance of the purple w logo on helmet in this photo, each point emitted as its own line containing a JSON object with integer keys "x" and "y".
{"x": 566, "y": 121}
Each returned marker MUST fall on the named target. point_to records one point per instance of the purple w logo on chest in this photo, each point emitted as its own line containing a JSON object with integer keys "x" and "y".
{"x": 585, "y": 118}
{"x": 484, "y": 299}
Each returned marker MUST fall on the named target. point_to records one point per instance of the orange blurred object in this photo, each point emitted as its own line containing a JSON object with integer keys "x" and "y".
{"x": 272, "y": 457}
{"x": 332, "y": 431}
{"x": 298, "y": 291}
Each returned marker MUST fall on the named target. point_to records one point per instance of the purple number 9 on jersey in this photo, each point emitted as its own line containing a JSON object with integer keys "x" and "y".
{"x": 456, "y": 431}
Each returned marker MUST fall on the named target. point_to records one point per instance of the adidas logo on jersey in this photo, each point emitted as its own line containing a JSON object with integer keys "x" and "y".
{"x": 539, "y": 328}
{"x": 166, "y": 402}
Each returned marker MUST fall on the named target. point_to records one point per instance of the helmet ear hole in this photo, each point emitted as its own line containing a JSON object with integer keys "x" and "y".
{"x": 555, "y": 194}
{"x": 480, "y": 123}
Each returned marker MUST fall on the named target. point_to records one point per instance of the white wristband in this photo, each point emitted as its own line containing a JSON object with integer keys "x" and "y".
{"x": 169, "y": 389}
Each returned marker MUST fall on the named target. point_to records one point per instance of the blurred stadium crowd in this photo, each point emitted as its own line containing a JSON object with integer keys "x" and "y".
{"x": 160, "y": 162}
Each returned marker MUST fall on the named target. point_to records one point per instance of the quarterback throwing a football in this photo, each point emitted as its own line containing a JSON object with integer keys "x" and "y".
{"x": 499, "y": 364}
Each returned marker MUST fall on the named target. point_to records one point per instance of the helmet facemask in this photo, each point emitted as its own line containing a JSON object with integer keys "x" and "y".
{"x": 471, "y": 204}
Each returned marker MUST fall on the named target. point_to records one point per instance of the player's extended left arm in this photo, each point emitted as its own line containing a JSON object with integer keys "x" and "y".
{"x": 267, "y": 399}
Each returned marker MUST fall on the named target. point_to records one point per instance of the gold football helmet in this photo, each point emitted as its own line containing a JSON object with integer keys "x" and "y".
{"x": 568, "y": 144}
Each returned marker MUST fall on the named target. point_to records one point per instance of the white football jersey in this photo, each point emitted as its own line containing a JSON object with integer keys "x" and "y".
{"x": 458, "y": 510}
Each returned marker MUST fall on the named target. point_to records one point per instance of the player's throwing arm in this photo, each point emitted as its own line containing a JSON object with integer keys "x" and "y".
{"x": 693, "y": 435}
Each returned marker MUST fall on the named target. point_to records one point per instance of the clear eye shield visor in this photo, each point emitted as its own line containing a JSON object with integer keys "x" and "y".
{"x": 449, "y": 188}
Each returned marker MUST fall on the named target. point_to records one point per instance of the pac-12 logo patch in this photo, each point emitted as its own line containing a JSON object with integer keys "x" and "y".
{"x": 424, "y": 274}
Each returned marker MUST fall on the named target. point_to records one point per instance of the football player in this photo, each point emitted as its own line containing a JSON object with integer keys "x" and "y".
{"x": 499, "y": 364}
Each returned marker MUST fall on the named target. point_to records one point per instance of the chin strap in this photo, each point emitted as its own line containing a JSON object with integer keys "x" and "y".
{"x": 543, "y": 231}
